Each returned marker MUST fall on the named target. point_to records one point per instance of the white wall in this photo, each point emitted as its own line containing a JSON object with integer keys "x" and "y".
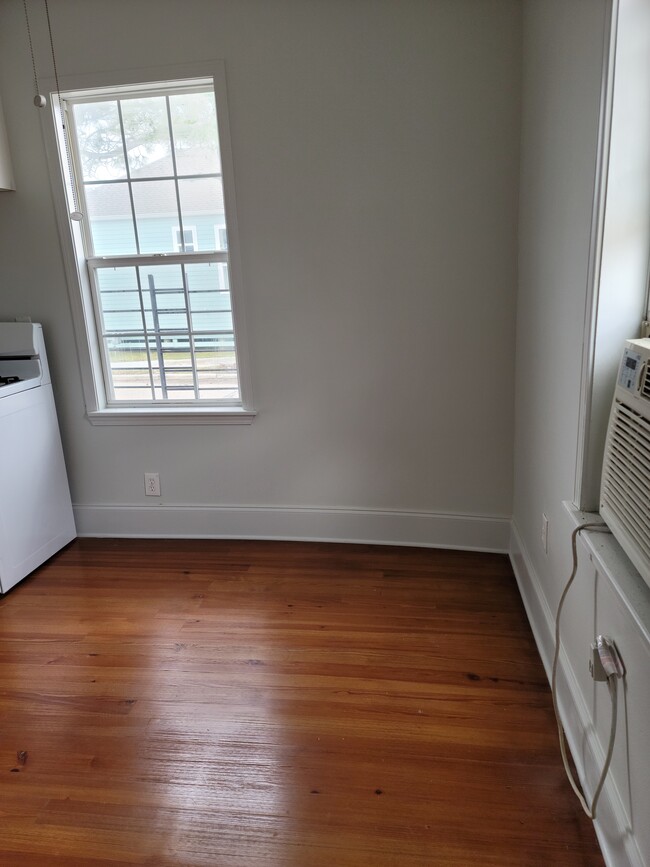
{"x": 376, "y": 159}
{"x": 565, "y": 51}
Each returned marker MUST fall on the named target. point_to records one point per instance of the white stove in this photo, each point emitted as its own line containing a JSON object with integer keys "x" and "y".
{"x": 35, "y": 509}
{"x": 14, "y": 384}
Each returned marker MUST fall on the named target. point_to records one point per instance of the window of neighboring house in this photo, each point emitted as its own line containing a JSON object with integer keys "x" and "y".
{"x": 146, "y": 167}
{"x": 187, "y": 241}
{"x": 221, "y": 237}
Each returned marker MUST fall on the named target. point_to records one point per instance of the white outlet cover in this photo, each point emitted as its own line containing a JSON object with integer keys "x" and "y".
{"x": 152, "y": 484}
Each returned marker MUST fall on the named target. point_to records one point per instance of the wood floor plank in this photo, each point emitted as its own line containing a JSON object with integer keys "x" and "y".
{"x": 194, "y": 703}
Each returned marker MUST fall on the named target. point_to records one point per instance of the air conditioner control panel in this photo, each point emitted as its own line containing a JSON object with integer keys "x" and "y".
{"x": 628, "y": 375}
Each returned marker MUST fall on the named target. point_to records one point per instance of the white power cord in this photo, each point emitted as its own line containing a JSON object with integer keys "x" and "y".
{"x": 612, "y": 673}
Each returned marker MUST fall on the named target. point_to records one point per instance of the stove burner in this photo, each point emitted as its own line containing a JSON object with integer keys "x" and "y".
{"x": 8, "y": 380}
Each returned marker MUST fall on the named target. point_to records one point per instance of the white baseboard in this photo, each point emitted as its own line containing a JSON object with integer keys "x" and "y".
{"x": 427, "y": 529}
{"x": 612, "y": 828}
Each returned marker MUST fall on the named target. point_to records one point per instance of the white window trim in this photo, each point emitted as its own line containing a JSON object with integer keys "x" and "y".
{"x": 163, "y": 415}
{"x": 79, "y": 289}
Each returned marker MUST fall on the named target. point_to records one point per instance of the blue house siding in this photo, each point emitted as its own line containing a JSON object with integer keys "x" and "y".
{"x": 116, "y": 237}
{"x": 207, "y": 283}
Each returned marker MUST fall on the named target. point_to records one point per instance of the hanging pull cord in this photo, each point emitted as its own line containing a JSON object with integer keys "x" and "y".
{"x": 590, "y": 810}
{"x": 39, "y": 99}
{"x": 41, "y": 102}
{"x": 76, "y": 213}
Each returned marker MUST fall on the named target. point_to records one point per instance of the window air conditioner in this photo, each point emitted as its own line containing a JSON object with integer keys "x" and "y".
{"x": 625, "y": 489}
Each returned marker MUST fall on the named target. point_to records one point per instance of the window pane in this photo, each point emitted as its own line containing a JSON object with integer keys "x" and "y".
{"x": 146, "y": 133}
{"x": 209, "y": 302}
{"x": 175, "y": 356}
{"x": 110, "y": 219}
{"x": 159, "y": 277}
{"x": 196, "y": 139}
{"x": 212, "y": 321}
{"x": 181, "y": 377}
{"x": 176, "y": 372}
{"x": 208, "y": 277}
{"x": 162, "y": 287}
{"x": 117, "y": 279}
{"x": 181, "y": 393}
{"x": 210, "y": 345}
{"x": 217, "y": 371}
{"x": 201, "y": 198}
{"x": 156, "y": 213}
{"x": 169, "y": 321}
{"x": 129, "y": 368}
{"x": 119, "y": 299}
{"x": 128, "y": 320}
{"x": 202, "y": 277}
{"x": 99, "y": 139}
{"x": 169, "y": 301}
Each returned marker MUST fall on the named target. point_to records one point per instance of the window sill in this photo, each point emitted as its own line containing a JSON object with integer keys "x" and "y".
{"x": 171, "y": 416}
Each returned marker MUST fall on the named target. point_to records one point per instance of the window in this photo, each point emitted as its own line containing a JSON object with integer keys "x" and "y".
{"x": 185, "y": 242}
{"x": 221, "y": 237}
{"x": 145, "y": 174}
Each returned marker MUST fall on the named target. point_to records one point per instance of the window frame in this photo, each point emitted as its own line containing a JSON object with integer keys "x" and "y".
{"x": 99, "y": 410}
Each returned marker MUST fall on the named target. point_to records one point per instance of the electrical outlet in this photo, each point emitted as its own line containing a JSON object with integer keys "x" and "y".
{"x": 545, "y": 533}
{"x": 152, "y": 484}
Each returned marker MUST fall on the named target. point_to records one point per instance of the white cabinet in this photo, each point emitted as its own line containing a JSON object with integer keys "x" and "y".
{"x": 6, "y": 171}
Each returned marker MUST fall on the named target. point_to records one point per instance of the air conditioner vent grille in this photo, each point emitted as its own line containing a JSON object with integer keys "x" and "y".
{"x": 626, "y": 477}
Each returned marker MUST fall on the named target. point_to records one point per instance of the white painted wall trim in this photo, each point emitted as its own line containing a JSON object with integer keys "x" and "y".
{"x": 619, "y": 848}
{"x": 427, "y": 529}
{"x": 582, "y": 485}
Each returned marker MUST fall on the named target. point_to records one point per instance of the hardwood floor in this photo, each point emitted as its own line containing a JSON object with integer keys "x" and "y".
{"x": 254, "y": 704}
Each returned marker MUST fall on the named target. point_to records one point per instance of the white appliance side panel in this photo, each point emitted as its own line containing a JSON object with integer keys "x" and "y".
{"x": 35, "y": 510}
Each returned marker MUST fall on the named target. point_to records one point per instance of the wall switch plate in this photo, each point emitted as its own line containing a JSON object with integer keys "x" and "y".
{"x": 152, "y": 484}
{"x": 545, "y": 533}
